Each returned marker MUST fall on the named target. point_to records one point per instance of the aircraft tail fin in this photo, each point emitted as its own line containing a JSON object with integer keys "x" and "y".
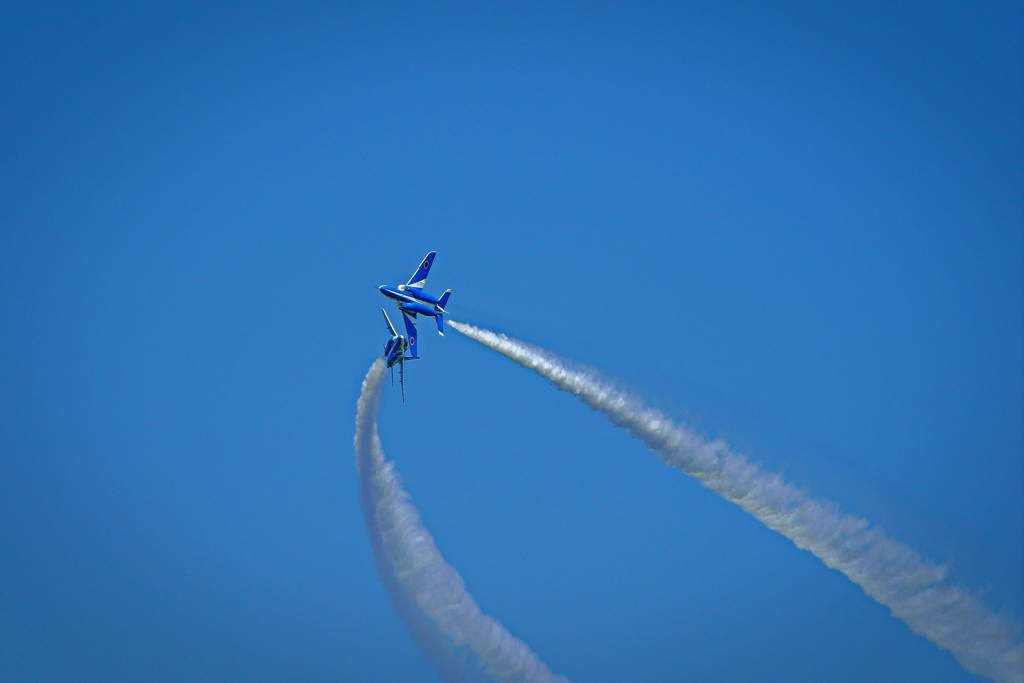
{"x": 443, "y": 301}
{"x": 419, "y": 278}
{"x": 410, "y": 330}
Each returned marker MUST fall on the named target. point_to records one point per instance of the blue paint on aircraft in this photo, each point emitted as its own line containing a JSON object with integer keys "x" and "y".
{"x": 395, "y": 348}
{"x": 412, "y": 300}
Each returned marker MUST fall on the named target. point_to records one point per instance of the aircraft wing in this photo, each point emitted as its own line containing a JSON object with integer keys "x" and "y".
{"x": 419, "y": 278}
{"x": 401, "y": 378}
{"x": 388, "y": 321}
{"x": 410, "y": 329}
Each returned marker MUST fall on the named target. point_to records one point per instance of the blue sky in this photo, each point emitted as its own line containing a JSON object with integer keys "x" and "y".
{"x": 796, "y": 227}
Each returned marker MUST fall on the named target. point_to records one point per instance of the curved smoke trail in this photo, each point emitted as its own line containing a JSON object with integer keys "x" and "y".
{"x": 913, "y": 588}
{"x": 463, "y": 643}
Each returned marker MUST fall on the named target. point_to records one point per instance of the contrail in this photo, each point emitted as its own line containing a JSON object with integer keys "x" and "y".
{"x": 463, "y": 643}
{"x": 913, "y": 588}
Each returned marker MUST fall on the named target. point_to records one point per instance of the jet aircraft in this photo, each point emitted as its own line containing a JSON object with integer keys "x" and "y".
{"x": 395, "y": 348}
{"x": 412, "y": 300}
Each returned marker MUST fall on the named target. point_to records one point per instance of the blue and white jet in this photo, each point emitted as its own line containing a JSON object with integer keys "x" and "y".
{"x": 395, "y": 348}
{"x": 412, "y": 300}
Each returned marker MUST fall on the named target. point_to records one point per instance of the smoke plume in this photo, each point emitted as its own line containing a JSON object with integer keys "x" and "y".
{"x": 915, "y": 589}
{"x": 463, "y": 643}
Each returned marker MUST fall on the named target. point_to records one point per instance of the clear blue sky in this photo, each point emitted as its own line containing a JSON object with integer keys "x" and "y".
{"x": 797, "y": 227}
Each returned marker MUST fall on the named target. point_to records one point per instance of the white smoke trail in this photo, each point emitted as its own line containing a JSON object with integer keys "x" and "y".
{"x": 463, "y": 643}
{"x": 913, "y": 588}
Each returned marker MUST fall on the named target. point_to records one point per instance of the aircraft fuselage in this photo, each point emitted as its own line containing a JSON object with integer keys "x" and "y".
{"x": 395, "y": 350}
{"x": 411, "y": 299}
